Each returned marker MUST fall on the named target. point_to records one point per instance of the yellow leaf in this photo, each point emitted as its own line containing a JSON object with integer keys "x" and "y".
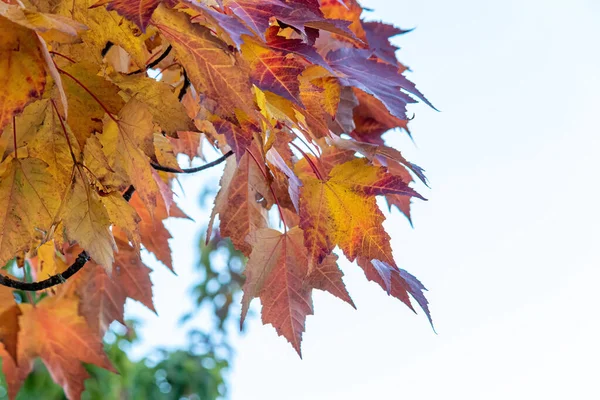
{"x": 86, "y": 221}
{"x": 51, "y": 27}
{"x": 28, "y": 203}
{"x": 22, "y": 71}
{"x": 85, "y": 114}
{"x": 160, "y": 100}
{"x": 342, "y": 210}
{"x": 127, "y": 143}
{"x": 105, "y": 26}
{"x": 123, "y": 215}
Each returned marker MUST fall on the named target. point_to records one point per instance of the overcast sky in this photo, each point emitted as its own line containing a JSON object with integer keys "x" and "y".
{"x": 508, "y": 244}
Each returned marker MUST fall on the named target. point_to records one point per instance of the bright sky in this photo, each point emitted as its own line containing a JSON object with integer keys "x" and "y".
{"x": 508, "y": 244}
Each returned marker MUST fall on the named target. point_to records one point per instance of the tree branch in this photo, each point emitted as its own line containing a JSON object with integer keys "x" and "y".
{"x": 57, "y": 279}
{"x": 84, "y": 257}
{"x": 153, "y": 63}
{"x": 218, "y": 161}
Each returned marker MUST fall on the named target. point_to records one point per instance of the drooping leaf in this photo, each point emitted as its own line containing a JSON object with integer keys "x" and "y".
{"x": 275, "y": 272}
{"x": 54, "y": 331}
{"x": 28, "y": 204}
{"x": 87, "y": 222}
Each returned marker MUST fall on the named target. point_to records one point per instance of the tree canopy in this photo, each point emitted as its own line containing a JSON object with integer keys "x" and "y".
{"x": 101, "y": 98}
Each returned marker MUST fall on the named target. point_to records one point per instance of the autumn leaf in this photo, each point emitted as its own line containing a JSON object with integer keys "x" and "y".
{"x": 275, "y": 272}
{"x": 104, "y": 26}
{"x": 50, "y": 26}
{"x": 28, "y": 203}
{"x": 55, "y": 332}
{"x": 126, "y": 143}
{"x": 273, "y": 71}
{"x": 327, "y": 276}
{"x": 241, "y": 202}
{"x": 159, "y": 99}
{"x": 138, "y": 11}
{"x": 22, "y": 70}
{"x": 85, "y": 112}
{"x": 396, "y": 282}
{"x": 103, "y": 296}
{"x": 88, "y": 223}
{"x": 341, "y": 210}
{"x": 9, "y": 322}
{"x": 208, "y": 62}
{"x": 390, "y": 87}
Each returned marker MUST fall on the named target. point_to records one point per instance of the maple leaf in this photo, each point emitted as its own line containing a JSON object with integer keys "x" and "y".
{"x": 396, "y": 282}
{"x": 28, "y": 204}
{"x": 127, "y": 143}
{"x": 88, "y": 223}
{"x": 104, "y": 27}
{"x": 372, "y": 119}
{"x": 154, "y": 235}
{"x": 341, "y": 210}
{"x": 209, "y": 64}
{"x": 227, "y": 25}
{"x": 239, "y": 202}
{"x": 327, "y": 276}
{"x": 137, "y": 11}
{"x": 9, "y": 323}
{"x": 256, "y": 14}
{"x": 273, "y": 70}
{"x": 85, "y": 113}
{"x": 378, "y": 35}
{"x": 275, "y": 272}
{"x": 22, "y": 70}
{"x": 50, "y": 26}
{"x": 188, "y": 143}
{"x": 14, "y": 374}
{"x": 159, "y": 99}
{"x": 103, "y": 296}
{"x": 357, "y": 70}
{"x": 54, "y": 331}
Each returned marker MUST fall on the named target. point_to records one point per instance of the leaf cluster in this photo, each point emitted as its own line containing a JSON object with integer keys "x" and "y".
{"x": 100, "y": 98}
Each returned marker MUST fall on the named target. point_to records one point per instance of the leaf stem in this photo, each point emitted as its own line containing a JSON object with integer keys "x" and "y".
{"x": 63, "y": 56}
{"x": 65, "y": 132}
{"x": 310, "y": 162}
{"x": 15, "y": 135}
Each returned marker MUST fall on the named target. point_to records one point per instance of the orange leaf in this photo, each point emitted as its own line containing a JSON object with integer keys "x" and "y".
{"x": 240, "y": 202}
{"x": 54, "y": 331}
{"x": 327, "y": 276}
{"x": 210, "y": 66}
{"x": 275, "y": 272}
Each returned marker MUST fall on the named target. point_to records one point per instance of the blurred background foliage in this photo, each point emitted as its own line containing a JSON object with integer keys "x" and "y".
{"x": 197, "y": 372}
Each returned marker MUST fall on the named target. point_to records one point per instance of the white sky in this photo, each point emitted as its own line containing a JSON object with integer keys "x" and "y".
{"x": 508, "y": 244}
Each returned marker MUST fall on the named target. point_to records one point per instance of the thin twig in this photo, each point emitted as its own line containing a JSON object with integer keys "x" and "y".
{"x": 218, "y": 161}
{"x": 62, "y": 55}
{"x": 153, "y": 63}
{"x": 15, "y": 135}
